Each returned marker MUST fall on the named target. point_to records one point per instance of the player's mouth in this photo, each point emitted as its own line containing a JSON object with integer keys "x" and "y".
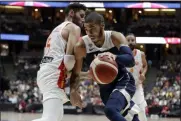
{"x": 93, "y": 39}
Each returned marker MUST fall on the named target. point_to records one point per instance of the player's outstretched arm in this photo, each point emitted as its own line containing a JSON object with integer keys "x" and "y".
{"x": 126, "y": 57}
{"x": 75, "y": 98}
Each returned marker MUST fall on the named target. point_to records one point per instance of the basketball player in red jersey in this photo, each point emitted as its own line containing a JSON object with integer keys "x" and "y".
{"x": 138, "y": 71}
{"x": 57, "y": 60}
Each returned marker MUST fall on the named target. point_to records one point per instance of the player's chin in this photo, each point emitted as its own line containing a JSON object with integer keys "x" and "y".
{"x": 81, "y": 25}
{"x": 94, "y": 40}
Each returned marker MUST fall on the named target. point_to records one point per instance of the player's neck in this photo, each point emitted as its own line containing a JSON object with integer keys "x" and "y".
{"x": 68, "y": 19}
{"x": 101, "y": 41}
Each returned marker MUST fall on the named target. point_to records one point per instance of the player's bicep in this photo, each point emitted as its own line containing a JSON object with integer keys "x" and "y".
{"x": 79, "y": 54}
{"x": 74, "y": 35}
{"x": 118, "y": 39}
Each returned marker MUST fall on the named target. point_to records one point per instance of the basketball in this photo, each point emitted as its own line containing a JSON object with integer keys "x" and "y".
{"x": 103, "y": 69}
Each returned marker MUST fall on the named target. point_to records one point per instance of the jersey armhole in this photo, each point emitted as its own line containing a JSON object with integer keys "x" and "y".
{"x": 62, "y": 29}
{"x": 112, "y": 44}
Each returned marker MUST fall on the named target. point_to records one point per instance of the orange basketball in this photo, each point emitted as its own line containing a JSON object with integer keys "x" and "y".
{"x": 103, "y": 69}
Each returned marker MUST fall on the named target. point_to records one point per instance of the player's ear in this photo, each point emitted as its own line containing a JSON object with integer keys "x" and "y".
{"x": 102, "y": 26}
{"x": 71, "y": 13}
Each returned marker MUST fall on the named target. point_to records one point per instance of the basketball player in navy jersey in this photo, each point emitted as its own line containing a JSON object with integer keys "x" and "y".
{"x": 117, "y": 95}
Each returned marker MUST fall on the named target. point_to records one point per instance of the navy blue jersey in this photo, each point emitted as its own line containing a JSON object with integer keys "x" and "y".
{"x": 123, "y": 78}
{"x": 117, "y": 94}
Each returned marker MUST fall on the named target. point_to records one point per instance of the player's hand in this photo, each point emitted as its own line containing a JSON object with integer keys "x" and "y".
{"x": 75, "y": 99}
{"x": 110, "y": 55}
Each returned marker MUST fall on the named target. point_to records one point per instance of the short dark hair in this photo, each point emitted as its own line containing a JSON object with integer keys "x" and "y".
{"x": 75, "y": 7}
{"x": 94, "y": 17}
{"x": 130, "y": 34}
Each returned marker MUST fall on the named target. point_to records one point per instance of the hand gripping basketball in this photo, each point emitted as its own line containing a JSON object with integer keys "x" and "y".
{"x": 104, "y": 68}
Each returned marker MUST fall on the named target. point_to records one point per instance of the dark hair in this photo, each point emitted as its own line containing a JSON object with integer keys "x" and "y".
{"x": 130, "y": 34}
{"x": 75, "y": 7}
{"x": 94, "y": 17}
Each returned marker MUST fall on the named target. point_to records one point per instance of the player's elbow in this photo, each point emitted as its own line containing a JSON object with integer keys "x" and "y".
{"x": 125, "y": 59}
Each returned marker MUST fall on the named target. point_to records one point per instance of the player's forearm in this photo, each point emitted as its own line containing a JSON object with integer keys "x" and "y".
{"x": 74, "y": 82}
{"x": 144, "y": 69}
{"x": 126, "y": 57}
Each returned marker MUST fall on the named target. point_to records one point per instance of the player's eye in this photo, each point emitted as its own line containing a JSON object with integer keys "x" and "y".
{"x": 82, "y": 15}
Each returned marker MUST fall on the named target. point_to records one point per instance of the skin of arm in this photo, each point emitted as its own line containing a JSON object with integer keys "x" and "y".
{"x": 145, "y": 67}
{"x": 79, "y": 53}
{"x": 74, "y": 35}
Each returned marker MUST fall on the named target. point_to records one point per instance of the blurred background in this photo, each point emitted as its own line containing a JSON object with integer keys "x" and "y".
{"x": 25, "y": 26}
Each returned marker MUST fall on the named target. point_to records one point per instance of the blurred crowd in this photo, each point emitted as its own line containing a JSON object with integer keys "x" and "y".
{"x": 90, "y": 93}
{"x": 155, "y": 26}
{"x": 42, "y": 26}
{"x": 166, "y": 93}
{"x": 23, "y": 90}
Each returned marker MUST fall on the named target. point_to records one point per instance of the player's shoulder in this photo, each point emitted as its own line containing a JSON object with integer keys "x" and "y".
{"x": 118, "y": 38}
{"x": 115, "y": 33}
{"x": 70, "y": 26}
{"x": 142, "y": 53}
{"x": 73, "y": 27}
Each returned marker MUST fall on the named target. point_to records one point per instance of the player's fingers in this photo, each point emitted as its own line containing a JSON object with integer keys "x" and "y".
{"x": 79, "y": 104}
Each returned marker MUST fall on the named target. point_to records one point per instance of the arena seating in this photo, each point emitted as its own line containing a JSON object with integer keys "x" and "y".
{"x": 145, "y": 26}
{"x": 165, "y": 96}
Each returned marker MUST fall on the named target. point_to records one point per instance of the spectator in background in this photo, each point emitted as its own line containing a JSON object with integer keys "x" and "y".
{"x": 149, "y": 63}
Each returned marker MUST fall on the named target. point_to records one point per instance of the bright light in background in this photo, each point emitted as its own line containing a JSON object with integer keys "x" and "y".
{"x": 168, "y": 10}
{"x": 114, "y": 20}
{"x": 36, "y": 9}
{"x": 61, "y": 11}
{"x": 140, "y": 11}
{"x": 13, "y": 7}
{"x": 5, "y": 46}
{"x": 141, "y": 46}
{"x": 167, "y": 46}
{"x": 100, "y": 9}
{"x": 110, "y": 11}
{"x": 151, "y": 10}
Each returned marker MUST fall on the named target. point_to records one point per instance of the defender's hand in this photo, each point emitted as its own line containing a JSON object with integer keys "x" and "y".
{"x": 75, "y": 99}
